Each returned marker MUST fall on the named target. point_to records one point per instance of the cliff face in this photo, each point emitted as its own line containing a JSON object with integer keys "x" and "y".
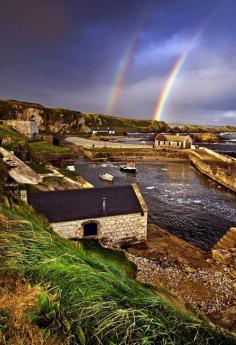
{"x": 65, "y": 121}
{"x": 207, "y": 137}
{"x": 60, "y": 121}
{"x": 188, "y": 128}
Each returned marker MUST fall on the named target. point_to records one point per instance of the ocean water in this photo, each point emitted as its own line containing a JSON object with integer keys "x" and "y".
{"x": 180, "y": 199}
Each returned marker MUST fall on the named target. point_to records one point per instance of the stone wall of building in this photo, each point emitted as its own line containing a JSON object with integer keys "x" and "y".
{"x": 28, "y": 128}
{"x": 112, "y": 228}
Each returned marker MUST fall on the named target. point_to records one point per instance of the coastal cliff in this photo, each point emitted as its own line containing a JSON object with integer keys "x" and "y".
{"x": 65, "y": 121}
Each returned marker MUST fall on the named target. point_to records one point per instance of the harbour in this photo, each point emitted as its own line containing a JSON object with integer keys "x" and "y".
{"x": 180, "y": 199}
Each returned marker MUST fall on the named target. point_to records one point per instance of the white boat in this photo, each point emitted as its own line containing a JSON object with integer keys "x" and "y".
{"x": 107, "y": 177}
{"x": 129, "y": 167}
{"x": 70, "y": 168}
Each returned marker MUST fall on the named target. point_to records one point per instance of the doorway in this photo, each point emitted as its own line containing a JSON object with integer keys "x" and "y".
{"x": 90, "y": 229}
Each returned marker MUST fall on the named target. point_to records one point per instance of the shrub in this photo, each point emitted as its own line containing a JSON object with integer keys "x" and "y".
{"x": 46, "y": 312}
{"x": 4, "y": 325}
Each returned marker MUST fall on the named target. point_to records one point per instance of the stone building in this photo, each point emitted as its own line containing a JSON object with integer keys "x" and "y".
{"x": 29, "y": 128}
{"x": 173, "y": 141}
{"x": 112, "y": 214}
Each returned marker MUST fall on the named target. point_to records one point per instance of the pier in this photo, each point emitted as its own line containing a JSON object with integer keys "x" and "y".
{"x": 218, "y": 167}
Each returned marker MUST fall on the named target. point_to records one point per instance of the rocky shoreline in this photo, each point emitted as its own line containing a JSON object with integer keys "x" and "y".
{"x": 189, "y": 273}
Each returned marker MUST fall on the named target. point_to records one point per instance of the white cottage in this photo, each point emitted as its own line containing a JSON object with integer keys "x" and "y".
{"x": 173, "y": 141}
{"x": 112, "y": 214}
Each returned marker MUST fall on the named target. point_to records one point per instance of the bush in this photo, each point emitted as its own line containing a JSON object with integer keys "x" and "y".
{"x": 4, "y": 325}
{"x": 46, "y": 312}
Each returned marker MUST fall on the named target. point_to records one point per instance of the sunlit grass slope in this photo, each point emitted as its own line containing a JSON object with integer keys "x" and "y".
{"x": 6, "y": 131}
{"x": 99, "y": 304}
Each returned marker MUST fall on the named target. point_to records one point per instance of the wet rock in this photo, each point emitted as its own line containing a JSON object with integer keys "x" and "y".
{"x": 229, "y": 318}
{"x": 222, "y": 256}
{"x": 6, "y": 140}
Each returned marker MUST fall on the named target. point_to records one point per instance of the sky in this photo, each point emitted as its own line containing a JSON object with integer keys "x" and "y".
{"x": 115, "y": 57}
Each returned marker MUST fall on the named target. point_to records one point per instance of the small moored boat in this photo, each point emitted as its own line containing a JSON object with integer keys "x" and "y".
{"x": 129, "y": 167}
{"x": 70, "y": 168}
{"x": 106, "y": 177}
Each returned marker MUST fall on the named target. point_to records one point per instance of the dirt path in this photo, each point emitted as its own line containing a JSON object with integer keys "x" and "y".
{"x": 89, "y": 143}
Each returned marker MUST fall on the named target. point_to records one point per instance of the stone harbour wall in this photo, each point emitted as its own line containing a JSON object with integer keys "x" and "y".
{"x": 218, "y": 175}
{"x": 223, "y": 158}
{"x": 112, "y": 228}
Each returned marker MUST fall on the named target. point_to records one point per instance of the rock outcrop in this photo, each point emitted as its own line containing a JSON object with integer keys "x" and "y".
{"x": 189, "y": 128}
{"x": 206, "y": 137}
{"x": 18, "y": 170}
{"x": 65, "y": 121}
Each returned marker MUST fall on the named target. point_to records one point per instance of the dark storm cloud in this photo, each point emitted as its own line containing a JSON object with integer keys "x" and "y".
{"x": 66, "y": 53}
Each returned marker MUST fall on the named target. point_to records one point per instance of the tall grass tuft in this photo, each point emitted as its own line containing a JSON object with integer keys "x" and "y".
{"x": 99, "y": 304}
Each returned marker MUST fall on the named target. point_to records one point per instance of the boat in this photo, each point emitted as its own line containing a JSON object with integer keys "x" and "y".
{"x": 70, "y": 168}
{"x": 129, "y": 167}
{"x": 106, "y": 177}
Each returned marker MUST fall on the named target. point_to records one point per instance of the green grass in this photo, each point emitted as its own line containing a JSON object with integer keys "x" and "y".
{"x": 121, "y": 124}
{"x": 99, "y": 304}
{"x": 6, "y": 131}
{"x": 44, "y": 147}
{"x": 4, "y": 325}
{"x": 31, "y": 188}
{"x": 120, "y": 149}
{"x": 68, "y": 173}
{"x": 39, "y": 169}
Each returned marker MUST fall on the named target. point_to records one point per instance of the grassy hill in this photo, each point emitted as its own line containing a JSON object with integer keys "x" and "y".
{"x": 14, "y": 137}
{"x": 66, "y": 121}
{"x": 91, "y": 299}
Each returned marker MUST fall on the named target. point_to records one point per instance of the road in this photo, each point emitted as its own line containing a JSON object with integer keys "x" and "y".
{"x": 88, "y": 143}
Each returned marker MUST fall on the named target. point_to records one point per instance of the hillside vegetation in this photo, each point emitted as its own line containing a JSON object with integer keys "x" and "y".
{"x": 65, "y": 121}
{"x": 13, "y": 137}
{"x": 207, "y": 137}
{"x": 94, "y": 302}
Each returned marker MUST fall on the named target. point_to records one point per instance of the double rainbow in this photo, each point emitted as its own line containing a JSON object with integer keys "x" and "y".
{"x": 122, "y": 69}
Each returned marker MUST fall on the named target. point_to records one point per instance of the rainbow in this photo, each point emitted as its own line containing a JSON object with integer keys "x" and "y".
{"x": 122, "y": 68}
{"x": 119, "y": 76}
{"x": 171, "y": 79}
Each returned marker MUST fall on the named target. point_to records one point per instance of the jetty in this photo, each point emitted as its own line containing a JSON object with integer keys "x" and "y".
{"x": 228, "y": 241}
{"x": 218, "y": 167}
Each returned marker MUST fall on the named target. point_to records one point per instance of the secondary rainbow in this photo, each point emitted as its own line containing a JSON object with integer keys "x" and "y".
{"x": 119, "y": 76}
{"x": 122, "y": 68}
{"x": 171, "y": 79}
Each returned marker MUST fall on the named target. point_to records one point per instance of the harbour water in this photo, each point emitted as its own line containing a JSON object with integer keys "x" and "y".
{"x": 180, "y": 199}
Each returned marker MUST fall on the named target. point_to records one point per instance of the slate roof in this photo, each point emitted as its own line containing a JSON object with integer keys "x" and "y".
{"x": 76, "y": 204}
{"x": 171, "y": 137}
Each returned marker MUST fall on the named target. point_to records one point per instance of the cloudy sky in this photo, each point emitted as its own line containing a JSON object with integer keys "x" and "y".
{"x": 114, "y": 56}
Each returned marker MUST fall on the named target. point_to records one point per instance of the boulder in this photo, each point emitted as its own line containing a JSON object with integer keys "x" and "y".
{"x": 222, "y": 256}
{"x": 6, "y": 140}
